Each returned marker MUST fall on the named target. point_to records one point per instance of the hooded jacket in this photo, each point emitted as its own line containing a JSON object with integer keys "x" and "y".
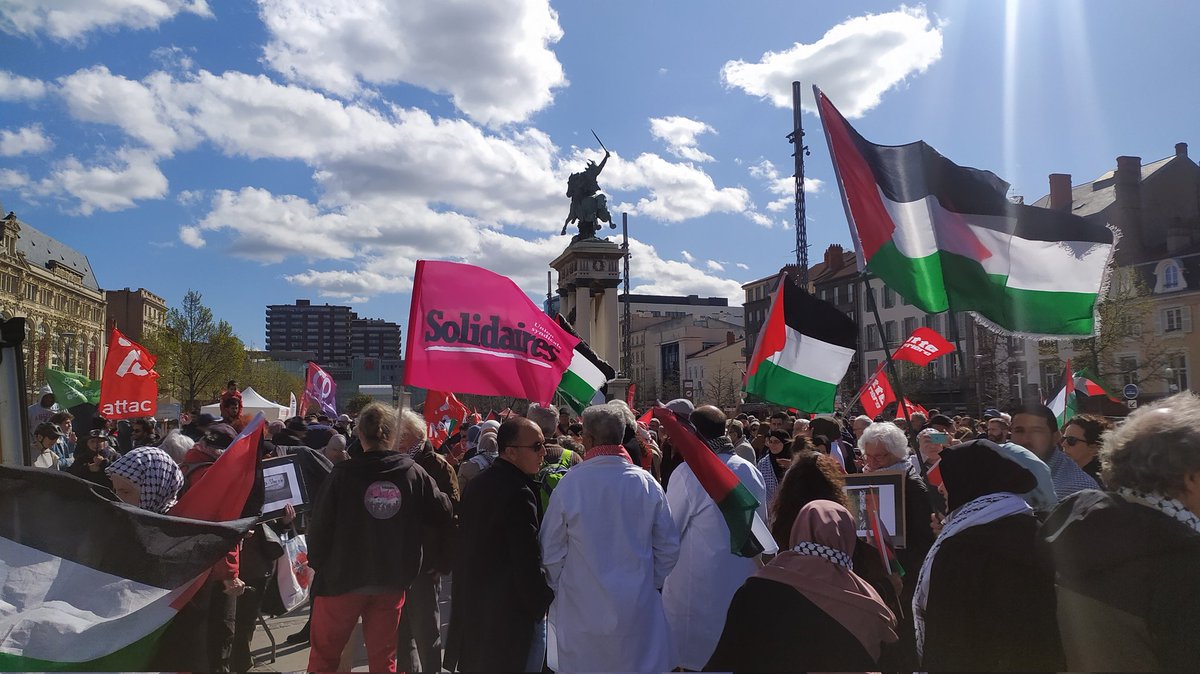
{"x": 1128, "y": 585}
{"x": 367, "y": 531}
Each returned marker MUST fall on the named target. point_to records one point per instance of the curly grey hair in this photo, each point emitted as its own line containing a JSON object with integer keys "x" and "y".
{"x": 1156, "y": 447}
{"x": 889, "y": 435}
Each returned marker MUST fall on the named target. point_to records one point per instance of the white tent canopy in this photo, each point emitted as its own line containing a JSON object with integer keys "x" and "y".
{"x": 252, "y": 404}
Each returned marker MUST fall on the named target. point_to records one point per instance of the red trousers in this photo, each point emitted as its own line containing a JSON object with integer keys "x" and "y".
{"x": 333, "y": 620}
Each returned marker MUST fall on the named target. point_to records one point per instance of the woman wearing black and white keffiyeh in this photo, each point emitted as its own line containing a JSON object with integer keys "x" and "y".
{"x": 985, "y": 595}
{"x": 1129, "y": 559}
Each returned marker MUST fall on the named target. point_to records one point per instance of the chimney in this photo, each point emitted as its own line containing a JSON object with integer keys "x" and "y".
{"x": 1060, "y": 191}
{"x": 1128, "y": 206}
{"x": 835, "y": 258}
{"x": 1181, "y": 150}
{"x": 729, "y": 338}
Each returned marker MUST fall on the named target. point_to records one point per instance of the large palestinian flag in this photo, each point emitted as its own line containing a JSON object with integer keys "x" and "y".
{"x": 585, "y": 376}
{"x": 946, "y": 237}
{"x": 89, "y": 584}
{"x": 803, "y": 351}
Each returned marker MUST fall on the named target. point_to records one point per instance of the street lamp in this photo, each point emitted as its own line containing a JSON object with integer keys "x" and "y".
{"x": 1172, "y": 385}
{"x": 69, "y": 339}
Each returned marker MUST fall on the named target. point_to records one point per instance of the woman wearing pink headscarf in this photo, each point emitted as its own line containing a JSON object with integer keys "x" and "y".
{"x": 807, "y": 610}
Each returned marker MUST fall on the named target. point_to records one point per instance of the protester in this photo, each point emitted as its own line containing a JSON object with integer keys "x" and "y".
{"x": 143, "y": 433}
{"x": 198, "y": 426}
{"x": 558, "y": 459}
{"x": 1035, "y": 428}
{"x": 1081, "y": 439}
{"x": 564, "y": 421}
{"x": 1042, "y": 498}
{"x": 758, "y": 439}
{"x": 608, "y": 544}
{"x": 860, "y": 424}
{"x": 777, "y": 421}
{"x": 231, "y": 412}
{"x": 482, "y": 459}
{"x": 364, "y": 542}
{"x": 500, "y": 593}
{"x": 292, "y": 434}
{"x": 807, "y": 610}
{"x": 1128, "y": 560}
{"x": 985, "y": 594}
{"x": 92, "y": 458}
{"x": 741, "y": 446}
{"x": 202, "y": 455}
{"x": 40, "y": 412}
{"x": 65, "y": 447}
{"x": 997, "y": 430}
{"x": 775, "y": 462}
{"x": 420, "y": 646}
{"x": 148, "y": 478}
{"x": 335, "y": 449}
{"x": 45, "y": 437}
{"x": 800, "y": 427}
{"x": 927, "y": 454}
{"x": 829, "y": 427}
{"x": 256, "y": 567}
{"x": 698, "y": 589}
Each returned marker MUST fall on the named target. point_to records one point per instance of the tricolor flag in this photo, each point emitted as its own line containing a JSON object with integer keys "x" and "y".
{"x": 803, "y": 351}
{"x": 945, "y": 236}
{"x": 1064, "y": 403}
{"x": 1085, "y": 384}
{"x": 586, "y": 374}
{"x": 89, "y": 584}
{"x": 748, "y": 534}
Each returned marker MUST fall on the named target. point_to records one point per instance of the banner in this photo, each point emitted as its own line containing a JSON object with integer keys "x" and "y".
{"x": 629, "y": 393}
{"x": 878, "y": 394}
{"x": 912, "y": 408}
{"x": 474, "y": 331}
{"x": 444, "y": 414}
{"x": 319, "y": 388}
{"x": 922, "y": 347}
{"x": 129, "y": 385}
{"x": 292, "y": 406}
{"x": 71, "y": 389}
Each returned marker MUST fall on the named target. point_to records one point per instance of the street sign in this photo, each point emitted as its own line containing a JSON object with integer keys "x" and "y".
{"x": 1131, "y": 391}
{"x": 1131, "y": 404}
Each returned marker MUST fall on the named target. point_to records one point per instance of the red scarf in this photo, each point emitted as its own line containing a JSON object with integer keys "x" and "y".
{"x": 607, "y": 450}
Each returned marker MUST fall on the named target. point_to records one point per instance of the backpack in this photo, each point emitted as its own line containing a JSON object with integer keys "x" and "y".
{"x": 551, "y": 473}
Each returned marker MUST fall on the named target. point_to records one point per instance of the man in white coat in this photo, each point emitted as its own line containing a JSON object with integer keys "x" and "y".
{"x": 699, "y": 589}
{"x": 608, "y": 543}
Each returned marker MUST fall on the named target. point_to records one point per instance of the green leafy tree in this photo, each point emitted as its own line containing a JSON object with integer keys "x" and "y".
{"x": 1124, "y": 311}
{"x": 356, "y": 403}
{"x": 196, "y": 353}
{"x": 271, "y": 380}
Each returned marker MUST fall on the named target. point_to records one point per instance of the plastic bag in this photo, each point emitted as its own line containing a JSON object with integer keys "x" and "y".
{"x": 293, "y": 574}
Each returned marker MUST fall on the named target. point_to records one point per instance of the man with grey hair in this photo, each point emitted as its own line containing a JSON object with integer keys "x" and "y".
{"x": 860, "y": 424}
{"x": 608, "y": 543}
{"x": 1128, "y": 560}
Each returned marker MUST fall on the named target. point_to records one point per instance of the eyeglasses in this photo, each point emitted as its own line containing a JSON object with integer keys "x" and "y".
{"x": 1071, "y": 442}
{"x": 537, "y": 446}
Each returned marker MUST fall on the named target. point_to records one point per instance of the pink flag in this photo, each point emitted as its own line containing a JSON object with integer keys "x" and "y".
{"x": 474, "y": 331}
{"x": 320, "y": 388}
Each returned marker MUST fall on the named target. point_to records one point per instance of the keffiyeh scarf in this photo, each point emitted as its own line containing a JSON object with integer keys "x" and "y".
{"x": 972, "y": 513}
{"x": 1170, "y": 507}
{"x": 824, "y": 552}
{"x": 155, "y": 473}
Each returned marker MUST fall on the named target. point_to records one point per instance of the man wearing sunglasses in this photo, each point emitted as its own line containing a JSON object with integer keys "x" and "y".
{"x": 1081, "y": 438}
{"x": 1035, "y": 428}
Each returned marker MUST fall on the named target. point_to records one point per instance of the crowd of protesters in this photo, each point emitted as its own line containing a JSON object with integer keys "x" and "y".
{"x": 583, "y": 541}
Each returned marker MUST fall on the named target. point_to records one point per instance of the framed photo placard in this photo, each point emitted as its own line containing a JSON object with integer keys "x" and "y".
{"x": 887, "y": 489}
{"x": 283, "y": 484}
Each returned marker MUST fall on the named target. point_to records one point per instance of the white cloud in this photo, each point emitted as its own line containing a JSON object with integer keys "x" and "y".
{"x": 25, "y": 140}
{"x": 783, "y": 187}
{"x": 759, "y": 219}
{"x": 492, "y": 58}
{"x": 713, "y": 265}
{"x": 854, "y": 63}
{"x": 680, "y": 135}
{"x": 18, "y": 88}
{"x": 191, "y": 236}
{"x": 669, "y": 277}
{"x": 130, "y": 175}
{"x": 72, "y": 19}
{"x": 351, "y": 285}
{"x": 687, "y": 257}
{"x": 743, "y": 267}
{"x": 677, "y": 191}
{"x": 12, "y": 179}
{"x": 189, "y": 197}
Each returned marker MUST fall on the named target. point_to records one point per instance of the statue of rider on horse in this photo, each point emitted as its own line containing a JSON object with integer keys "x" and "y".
{"x": 588, "y": 208}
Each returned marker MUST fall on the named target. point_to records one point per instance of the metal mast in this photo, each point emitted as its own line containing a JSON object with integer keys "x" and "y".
{"x": 626, "y": 347}
{"x": 796, "y": 138}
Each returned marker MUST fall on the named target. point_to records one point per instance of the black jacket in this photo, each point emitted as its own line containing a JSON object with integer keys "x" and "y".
{"x": 367, "y": 526}
{"x": 500, "y": 591}
{"x": 991, "y": 601}
{"x": 1128, "y": 585}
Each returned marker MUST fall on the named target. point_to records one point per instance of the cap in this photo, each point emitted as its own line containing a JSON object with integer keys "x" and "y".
{"x": 344, "y": 419}
{"x": 941, "y": 420}
{"x": 219, "y": 436}
{"x": 206, "y": 419}
{"x": 47, "y": 430}
{"x": 682, "y": 407}
{"x": 564, "y": 410}
{"x": 991, "y": 413}
{"x": 99, "y": 433}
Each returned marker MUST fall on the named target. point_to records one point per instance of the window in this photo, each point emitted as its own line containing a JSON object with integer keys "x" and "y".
{"x": 889, "y": 298}
{"x": 872, "y": 338}
{"x": 931, "y": 321}
{"x": 1177, "y": 379}
{"x": 1171, "y": 277}
{"x": 1051, "y": 376}
{"x": 872, "y": 365}
{"x": 889, "y": 329}
{"x": 1173, "y": 319}
{"x": 1127, "y": 367}
{"x": 910, "y": 325}
{"x": 1016, "y": 378}
{"x": 904, "y": 301}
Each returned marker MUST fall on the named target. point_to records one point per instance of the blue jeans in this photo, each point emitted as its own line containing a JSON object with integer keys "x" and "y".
{"x": 537, "y": 648}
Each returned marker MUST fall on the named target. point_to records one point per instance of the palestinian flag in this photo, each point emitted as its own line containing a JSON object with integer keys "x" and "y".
{"x": 71, "y": 389}
{"x": 1085, "y": 384}
{"x": 1065, "y": 402}
{"x": 803, "y": 351}
{"x": 90, "y": 584}
{"x": 748, "y": 534}
{"x": 586, "y": 374}
{"x": 945, "y": 236}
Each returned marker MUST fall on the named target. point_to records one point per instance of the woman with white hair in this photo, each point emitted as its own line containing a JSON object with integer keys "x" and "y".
{"x": 1128, "y": 560}
{"x": 176, "y": 444}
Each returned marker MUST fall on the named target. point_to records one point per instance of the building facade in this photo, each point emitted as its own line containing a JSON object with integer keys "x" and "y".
{"x": 715, "y": 375}
{"x": 321, "y": 329}
{"x": 54, "y": 288}
{"x": 660, "y": 352}
{"x": 134, "y": 312}
{"x": 374, "y": 338}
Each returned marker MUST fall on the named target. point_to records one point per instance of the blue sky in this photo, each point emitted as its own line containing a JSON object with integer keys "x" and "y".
{"x": 261, "y": 152}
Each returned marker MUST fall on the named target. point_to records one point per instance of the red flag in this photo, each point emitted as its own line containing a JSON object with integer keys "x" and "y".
{"x": 922, "y": 346}
{"x": 912, "y": 408}
{"x": 319, "y": 388}
{"x": 475, "y": 331}
{"x": 934, "y": 474}
{"x": 476, "y": 417}
{"x": 629, "y": 394}
{"x": 645, "y": 418}
{"x": 129, "y": 385}
{"x": 878, "y": 394}
{"x": 444, "y": 414}
{"x": 221, "y": 492}
{"x": 492, "y": 415}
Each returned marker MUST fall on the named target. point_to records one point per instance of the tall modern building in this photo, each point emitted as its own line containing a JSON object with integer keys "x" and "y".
{"x": 321, "y": 329}
{"x": 374, "y": 338}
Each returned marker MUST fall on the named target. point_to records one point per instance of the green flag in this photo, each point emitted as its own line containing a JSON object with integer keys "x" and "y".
{"x": 71, "y": 389}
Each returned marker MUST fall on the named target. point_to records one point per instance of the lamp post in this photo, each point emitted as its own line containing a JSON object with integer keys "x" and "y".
{"x": 1172, "y": 385}
{"x": 69, "y": 340}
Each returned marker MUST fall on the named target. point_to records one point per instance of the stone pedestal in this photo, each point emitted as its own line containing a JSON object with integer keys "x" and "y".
{"x": 589, "y": 276}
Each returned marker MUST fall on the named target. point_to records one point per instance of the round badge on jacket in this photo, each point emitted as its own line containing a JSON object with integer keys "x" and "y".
{"x": 382, "y": 499}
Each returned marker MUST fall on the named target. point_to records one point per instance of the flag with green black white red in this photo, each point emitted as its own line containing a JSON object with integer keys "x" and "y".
{"x": 586, "y": 374}
{"x": 803, "y": 351}
{"x": 89, "y": 584}
{"x": 945, "y": 236}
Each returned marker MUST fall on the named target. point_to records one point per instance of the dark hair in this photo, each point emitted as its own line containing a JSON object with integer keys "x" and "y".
{"x": 576, "y": 428}
{"x": 58, "y": 417}
{"x": 782, "y": 436}
{"x": 800, "y": 444}
{"x": 1036, "y": 410}
{"x": 509, "y": 430}
{"x": 1093, "y": 426}
{"x": 812, "y": 477}
{"x": 736, "y": 427}
{"x": 825, "y": 426}
{"x": 778, "y": 415}
{"x": 821, "y": 441}
{"x": 941, "y": 420}
{"x": 709, "y": 422}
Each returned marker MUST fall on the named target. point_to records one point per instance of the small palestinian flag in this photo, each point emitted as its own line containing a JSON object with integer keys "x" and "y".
{"x": 585, "y": 376}
{"x": 946, "y": 236}
{"x": 90, "y": 584}
{"x": 748, "y": 534}
{"x": 1065, "y": 402}
{"x": 803, "y": 351}
{"x": 887, "y": 556}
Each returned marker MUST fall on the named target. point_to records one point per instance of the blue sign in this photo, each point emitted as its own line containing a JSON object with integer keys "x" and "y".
{"x": 1131, "y": 391}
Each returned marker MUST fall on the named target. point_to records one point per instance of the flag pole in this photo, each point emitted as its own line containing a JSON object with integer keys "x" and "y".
{"x": 962, "y": 362}
{"x": 796, "y": 138}
{"x": 887, "y": 349}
